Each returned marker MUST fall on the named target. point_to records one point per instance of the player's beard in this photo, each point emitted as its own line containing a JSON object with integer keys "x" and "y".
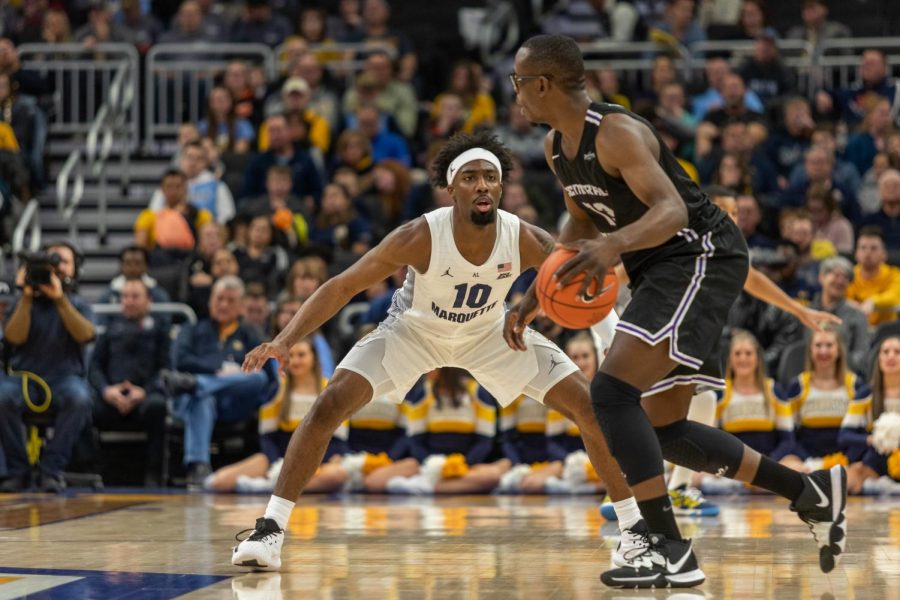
{"x": 484, "y": 218}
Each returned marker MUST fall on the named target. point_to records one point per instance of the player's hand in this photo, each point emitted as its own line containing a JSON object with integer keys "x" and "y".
{"x": 813, "y": 319}
{"x": 518, "y": 317}
{"x": 594, "y": 259}
{"x": 257, "y": 357}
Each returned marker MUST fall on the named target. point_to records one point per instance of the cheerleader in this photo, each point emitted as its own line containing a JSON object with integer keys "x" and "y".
{"x": 820, "y": 398}
{"x": 277, "y": 421}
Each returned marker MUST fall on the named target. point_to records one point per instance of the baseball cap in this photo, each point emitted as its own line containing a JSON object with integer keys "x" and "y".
{"x": 295, "y": 84}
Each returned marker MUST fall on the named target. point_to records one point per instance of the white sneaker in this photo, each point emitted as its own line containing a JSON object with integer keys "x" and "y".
{"x": 417, "y": 485}
{"x": 631, "y": 542}
{"x": 261, "y": 550}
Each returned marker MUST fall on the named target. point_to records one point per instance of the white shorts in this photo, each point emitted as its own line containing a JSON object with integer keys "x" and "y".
{"x": 394, "y": 356}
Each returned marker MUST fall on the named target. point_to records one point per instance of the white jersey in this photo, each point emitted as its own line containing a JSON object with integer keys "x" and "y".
{"x": 453, "y": 297}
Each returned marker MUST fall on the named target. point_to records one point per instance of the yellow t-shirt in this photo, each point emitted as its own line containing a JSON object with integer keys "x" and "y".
{"x": 146, "y": 221}
{"x": 319, "y": 132}
{"x": 8, "y": 139}
{"x": 883, "y": 290}
{"x": 483, "y": 112}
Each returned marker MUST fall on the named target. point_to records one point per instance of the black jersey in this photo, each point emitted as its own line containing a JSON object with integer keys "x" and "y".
{"x": 611, "y": 204}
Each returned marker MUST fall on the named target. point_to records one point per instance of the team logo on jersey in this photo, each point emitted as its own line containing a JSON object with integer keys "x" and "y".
{"x": 590, "y": 155}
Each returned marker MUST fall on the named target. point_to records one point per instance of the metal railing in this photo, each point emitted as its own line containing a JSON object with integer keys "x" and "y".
{"x": 82, "y": 81}
{"x": 29, "y": 223}
{"x": 70, "y": 189}
{"x": 178, "y": 78}
{"x": 837, "y": 61}
{"x": 341, "y": 60}
{"x": 168, "y": 308}
{"x": 633, "y": 61}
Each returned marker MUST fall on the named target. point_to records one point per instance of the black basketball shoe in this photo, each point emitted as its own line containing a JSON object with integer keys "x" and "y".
{"x": 821, "y": 506}
{"x": 660, "y": 563}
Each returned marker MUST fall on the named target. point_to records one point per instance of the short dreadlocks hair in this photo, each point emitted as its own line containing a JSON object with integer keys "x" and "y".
{"x": 461, "y": 142}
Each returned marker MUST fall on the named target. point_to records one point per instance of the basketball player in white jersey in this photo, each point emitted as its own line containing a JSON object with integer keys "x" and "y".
{"x": 450, "y": 312}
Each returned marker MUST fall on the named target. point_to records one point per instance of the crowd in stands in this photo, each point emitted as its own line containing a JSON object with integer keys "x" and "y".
{"x": 284, "y": 182}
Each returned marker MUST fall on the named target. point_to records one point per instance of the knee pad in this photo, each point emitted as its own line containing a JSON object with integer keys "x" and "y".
{"x": 700, "y": 448}
{"x": 609, "y": 396}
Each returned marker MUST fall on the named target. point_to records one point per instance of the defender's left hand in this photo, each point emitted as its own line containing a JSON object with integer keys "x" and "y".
{"x": 594, "y": 259}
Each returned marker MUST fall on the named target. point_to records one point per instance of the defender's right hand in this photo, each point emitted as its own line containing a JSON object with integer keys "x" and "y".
{"x": 257, "y": 357}
{"x": 518, "y": 317}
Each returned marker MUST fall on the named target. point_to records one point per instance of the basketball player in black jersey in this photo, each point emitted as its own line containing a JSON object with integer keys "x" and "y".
{"x": 629, "y": 200}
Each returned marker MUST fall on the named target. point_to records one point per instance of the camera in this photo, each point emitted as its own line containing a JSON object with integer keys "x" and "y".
{"x": 39, "y": 266}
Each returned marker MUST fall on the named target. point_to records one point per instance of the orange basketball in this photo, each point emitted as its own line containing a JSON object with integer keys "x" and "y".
{"x": 563, "y": 305}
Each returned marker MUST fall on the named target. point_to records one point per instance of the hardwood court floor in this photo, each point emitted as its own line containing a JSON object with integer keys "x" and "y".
{"x": 143, "y": 546}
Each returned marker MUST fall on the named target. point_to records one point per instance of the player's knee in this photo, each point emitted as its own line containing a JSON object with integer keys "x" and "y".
{"x": 609, "y": 395}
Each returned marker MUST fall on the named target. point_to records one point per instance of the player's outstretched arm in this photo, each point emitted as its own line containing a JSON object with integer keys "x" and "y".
{"x": 409, "y": 244}
{"x": 761, "y": 287}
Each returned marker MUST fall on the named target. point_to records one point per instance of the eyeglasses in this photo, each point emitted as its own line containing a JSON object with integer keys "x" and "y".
{"x": 516, "y": 79}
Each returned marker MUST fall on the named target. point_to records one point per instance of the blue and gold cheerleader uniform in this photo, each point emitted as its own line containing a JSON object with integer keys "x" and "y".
{"x": 762, "y": 420}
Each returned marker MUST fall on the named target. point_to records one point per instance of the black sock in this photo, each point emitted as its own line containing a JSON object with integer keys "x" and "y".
{"x": 660, "y": 518}
{"x": 779, "y": 479}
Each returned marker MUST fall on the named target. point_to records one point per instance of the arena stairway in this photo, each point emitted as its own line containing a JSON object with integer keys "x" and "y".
{"x": 123, "y": 206}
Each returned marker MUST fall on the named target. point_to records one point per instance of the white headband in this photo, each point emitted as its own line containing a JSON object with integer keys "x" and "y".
{"x": 470, "y": 155}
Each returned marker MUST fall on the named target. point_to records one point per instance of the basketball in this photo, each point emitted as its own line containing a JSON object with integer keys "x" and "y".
{"x": 563, "y": 306}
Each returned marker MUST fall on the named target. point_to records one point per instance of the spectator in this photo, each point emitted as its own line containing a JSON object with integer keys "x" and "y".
{"x": 144, "y": 28}
{"x": 230, "y": 133}
{"x": 125, "y": 364}
{"x": 764, "y": 71}
{"x": 385, "y": 144}
{"x": 377, "y": 84}
{"x": 672, "y": 111}
{"x": 849, "y": 104}
{"x": 204, "y": 190}
{"x": 679, "y": 26}
{"x": 278, "y": 419}
{"x": 305, "y": 277}
{"x": 602, "y": 85}
{"x": 733, "y": 106}
{"x": 169, "y": 233}
{"x": 376, "y": 31}
{"x": 816, "y": 27}
{"x": 735, "y": 139}
{"x": 338, "y": 227}
{"x": 820, "y": 398}
{"x": 55, "y": 28}
{"x": 347, "y": 25}
{"x": 215, "y": 18}
{"x": 828, "y": 223}
{"x": 190, "y": 26}
{"x": 734, "y": 174}
{"x": 256, "y": 309}
{"x": 446, "y": 119}
{"x": 209, "y": 385}
{"x": 875, "y": 289}
{"x": 869, "y": 200}
{"x": 295, "y": 98}
{"x": 304, "y": 175}
{"x": 26, "y": 121}
{"x": 196, "y": 276}
{"x": 100, "y": 28}
{"x": 864, "y": 145}
{"x": 787, "y": 145}
{"x": 819, "y": 165}
{"x": 237, "y": 80}
{"x": 25, "y": 81}
{"x": 133, "y": 262}
{"x": 260, "y": 261}
{"x": 749, "y": 216}
{"x": 523, "y": 139}
{"x": 383, "y": 206}
{"x": 716, "y": 69}
{"x": 285, "y": 309}
{"x": 322, "y": 99}
{"x": 844, "y": 173}
{"x": 466, "y": 84}
{"x": 752, "y": 21}
{"x": 786, "y": 272}
{"x": 591, "y": 20}
{"x": 834, "y": 277}
{"x": 286, "y": 212}
{"x": 888, "y": 218}
{"x": 258, "y": 24}
{"x": 45, "y": 335}
{"x": 311, "y": 26}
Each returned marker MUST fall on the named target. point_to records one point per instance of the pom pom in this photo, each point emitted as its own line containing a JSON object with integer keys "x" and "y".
{"x": 454, "y": 467}
{"x": 886, "y": 432}
{"x": 838, "y": 458}
{"x": 373, "y": 462}
{"x": 575, "y": 470}
{"x": 511, "y": 481}
{"x": 433, "y": 467}
{"x": 893, "y": 465}
{"x": 353, "y": 464}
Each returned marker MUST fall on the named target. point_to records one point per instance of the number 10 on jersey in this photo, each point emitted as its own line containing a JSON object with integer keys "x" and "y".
{"x": 477, "y": 296}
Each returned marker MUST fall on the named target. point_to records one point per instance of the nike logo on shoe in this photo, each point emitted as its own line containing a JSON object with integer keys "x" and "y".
{"x": 822, "y": 497}
{"x": 677, "y": 566}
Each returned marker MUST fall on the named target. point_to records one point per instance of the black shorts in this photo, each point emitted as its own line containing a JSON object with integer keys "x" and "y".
{"x": 685, "y": 298}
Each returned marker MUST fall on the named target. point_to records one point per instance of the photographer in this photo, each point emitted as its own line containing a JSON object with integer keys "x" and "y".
{"x": 45, "y": 337}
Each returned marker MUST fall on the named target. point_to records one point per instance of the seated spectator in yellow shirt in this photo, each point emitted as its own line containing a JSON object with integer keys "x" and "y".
{"x": 876, "y": 285}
